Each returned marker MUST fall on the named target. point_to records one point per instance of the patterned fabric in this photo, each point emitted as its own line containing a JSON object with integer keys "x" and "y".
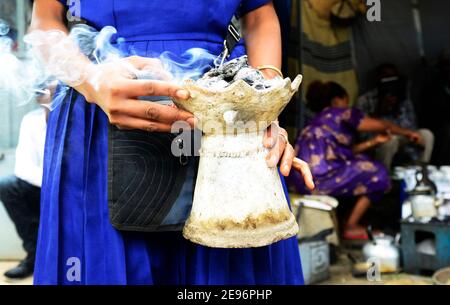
{"x": 368, "y": 103}
{"x": 326, "y": 145}
{"x": 326, "y": 52}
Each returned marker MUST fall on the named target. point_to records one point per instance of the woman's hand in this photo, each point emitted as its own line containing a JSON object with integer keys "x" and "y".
{"x": 276, "y": 139}
{"x": 114, "y": 87}
{"x": 382, "y": 138}
{"x": 416, "y": 138}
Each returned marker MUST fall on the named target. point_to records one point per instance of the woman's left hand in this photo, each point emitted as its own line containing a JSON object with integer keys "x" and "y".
{"x": 276, "y": 139}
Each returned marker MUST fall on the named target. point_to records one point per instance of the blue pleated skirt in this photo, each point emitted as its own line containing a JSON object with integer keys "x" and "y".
{"x": 78, "y": 245}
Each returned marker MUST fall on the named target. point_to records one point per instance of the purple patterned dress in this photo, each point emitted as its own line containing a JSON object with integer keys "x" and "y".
{"x": 326, "y": 145}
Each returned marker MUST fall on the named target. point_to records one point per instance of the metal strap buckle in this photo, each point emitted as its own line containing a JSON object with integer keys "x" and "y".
{"x": 232, "y": 30}
{"x": 224, "y": 55}
{"x": 230, "y": 41}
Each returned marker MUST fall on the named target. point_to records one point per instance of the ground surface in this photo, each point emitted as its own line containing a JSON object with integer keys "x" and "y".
{"x": 340, "y": 275}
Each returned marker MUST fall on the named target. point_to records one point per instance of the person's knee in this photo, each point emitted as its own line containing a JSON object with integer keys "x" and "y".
{"x": 428, "y": 136}
{"x": 390, "y": 146}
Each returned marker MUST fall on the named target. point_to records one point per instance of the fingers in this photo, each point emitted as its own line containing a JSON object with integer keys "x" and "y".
{"x": 151, "y": 111}
{"x": 276, "y": 151}
{"x": 144, "y": 67}
{"x": 270, "y": 135}
{"x": 127, "y": 122}
{"x": 135, "y": 88}
{"x": 303, "y": 168}
{"x": 287, "y": 159}
{"x": 276, "y": 139}
{"x": 268, "y": 140}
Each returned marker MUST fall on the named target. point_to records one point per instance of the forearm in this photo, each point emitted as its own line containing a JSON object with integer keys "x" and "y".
{"x": 261, "y": 32}
{"x": 364, "y": 146}
{"x": 48, "y": 15}
{"x": 396, "y": 129}
{"x": 369, "y": 124}
{"x": 49, "y": 38}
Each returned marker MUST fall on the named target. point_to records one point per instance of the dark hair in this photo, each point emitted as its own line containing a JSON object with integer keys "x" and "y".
{"x": 320, "y": 95}
{"x": 381, "y": 69}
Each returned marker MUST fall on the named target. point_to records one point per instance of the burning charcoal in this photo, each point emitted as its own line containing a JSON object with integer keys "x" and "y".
{"x": 259, "y": 87}
{"x": 229, "y": 69}
{"x": 249, "y": 75}
{"x": 232, "y": 71}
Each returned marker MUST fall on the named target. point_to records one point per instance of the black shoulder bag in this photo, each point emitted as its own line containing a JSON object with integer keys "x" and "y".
{"x": 144, "y": 177}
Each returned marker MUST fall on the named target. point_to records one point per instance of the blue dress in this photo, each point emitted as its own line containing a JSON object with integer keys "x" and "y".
{"x": 75, "y": 231}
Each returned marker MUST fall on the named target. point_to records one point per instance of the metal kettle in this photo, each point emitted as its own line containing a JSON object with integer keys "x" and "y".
{"x": 384, "y": 251}
{"x": 423, "y": 196}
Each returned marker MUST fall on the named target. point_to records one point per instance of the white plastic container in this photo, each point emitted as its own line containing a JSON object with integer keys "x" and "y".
{"x": 315, "y": 257}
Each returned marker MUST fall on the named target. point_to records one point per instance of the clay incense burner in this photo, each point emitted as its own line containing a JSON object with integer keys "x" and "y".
{"x": 239, "y": 201}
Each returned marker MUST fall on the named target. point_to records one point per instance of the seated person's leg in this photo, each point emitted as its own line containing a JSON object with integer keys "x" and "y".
{"x": 21, "y": 201}
{"x": 368, "y": 181}
{"x": 353, "y": 228}
{"x": 428, "y": 139}
{"x": 10, "y": 194}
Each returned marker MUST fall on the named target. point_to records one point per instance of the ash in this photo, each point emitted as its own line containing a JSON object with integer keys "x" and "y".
{"x": 232, "y": 71}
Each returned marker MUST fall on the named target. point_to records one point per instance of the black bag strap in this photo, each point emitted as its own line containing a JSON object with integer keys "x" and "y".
{"x": 231, "y": 40}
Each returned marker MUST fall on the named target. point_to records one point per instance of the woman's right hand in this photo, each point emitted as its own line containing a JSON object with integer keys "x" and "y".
{"x": 382, "y": 138}
{"x": 415, "y": 137}
{"x": 114, "y": 87}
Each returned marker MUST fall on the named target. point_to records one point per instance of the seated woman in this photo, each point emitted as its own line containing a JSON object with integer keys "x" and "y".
{"x": 339, "y": 168}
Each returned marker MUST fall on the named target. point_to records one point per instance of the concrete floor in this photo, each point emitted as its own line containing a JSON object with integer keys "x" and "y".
{"x": 340, "y": 275}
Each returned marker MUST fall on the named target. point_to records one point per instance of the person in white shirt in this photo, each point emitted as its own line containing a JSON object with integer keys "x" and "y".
{"x": 20, "y": 193}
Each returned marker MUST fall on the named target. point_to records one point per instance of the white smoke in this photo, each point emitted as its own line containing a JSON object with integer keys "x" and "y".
{"x": 4, "y": 28}
{"x": 19, "y": 78}
{"x": 61, "y": 53}
{"x": 54, "y": 54}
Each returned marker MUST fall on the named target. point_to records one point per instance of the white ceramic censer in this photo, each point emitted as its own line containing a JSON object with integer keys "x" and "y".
{"x": 239, "y": 201}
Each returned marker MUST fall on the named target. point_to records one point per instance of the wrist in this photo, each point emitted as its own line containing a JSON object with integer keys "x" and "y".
{"x": 408, "y": 133}
{"x": 86, "y": 87}
{"x": 270, "y": 71}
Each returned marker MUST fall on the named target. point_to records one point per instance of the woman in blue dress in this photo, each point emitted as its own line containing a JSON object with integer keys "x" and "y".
{"x": 77, "y": 243}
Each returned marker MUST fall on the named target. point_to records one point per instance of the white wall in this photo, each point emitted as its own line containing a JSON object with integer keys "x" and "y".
{"x": 10, "y": 243}
{"x": 16, "y": 13}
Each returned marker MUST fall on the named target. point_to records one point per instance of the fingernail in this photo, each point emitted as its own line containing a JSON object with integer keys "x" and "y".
{"x": 182, "y": 94}
{"x": 192, "y": 121}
